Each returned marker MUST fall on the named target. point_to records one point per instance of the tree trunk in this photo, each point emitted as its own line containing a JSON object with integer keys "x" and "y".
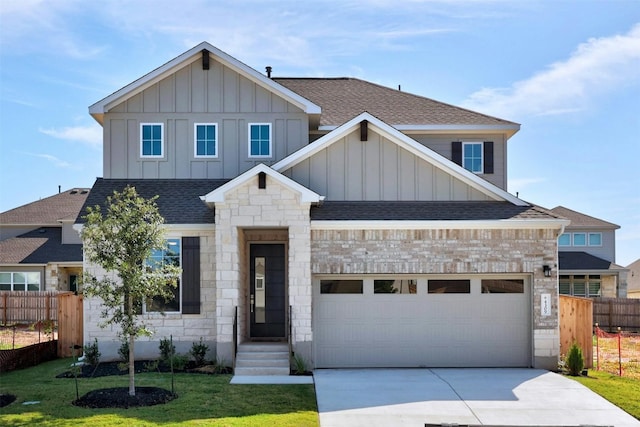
{"x": 132, "y": 362}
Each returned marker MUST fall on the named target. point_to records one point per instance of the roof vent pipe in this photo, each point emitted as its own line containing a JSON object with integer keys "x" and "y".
{"x": 59, "y": 189}
{"x": 268, "y": 68}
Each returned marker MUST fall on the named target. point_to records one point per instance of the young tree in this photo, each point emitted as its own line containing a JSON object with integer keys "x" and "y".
{"x": 122, "y": 242}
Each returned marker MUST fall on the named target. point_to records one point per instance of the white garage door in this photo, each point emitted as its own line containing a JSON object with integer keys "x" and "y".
{"x": 424, "y": 322}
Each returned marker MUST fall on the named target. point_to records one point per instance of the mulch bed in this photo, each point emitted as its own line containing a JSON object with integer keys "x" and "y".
{"x": 111, "y": 368}
{"x": 118, "y": 397}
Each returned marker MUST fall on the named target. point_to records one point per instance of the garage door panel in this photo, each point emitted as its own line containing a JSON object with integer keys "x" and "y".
{"x": 432, "y": 330}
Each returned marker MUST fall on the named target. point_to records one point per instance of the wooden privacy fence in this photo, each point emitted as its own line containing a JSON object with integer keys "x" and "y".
{"x": 613, "y": 313}
{"x": 576, "y": 325}
{"x": 28, "y": 306}
{"x": 70, "y": 330}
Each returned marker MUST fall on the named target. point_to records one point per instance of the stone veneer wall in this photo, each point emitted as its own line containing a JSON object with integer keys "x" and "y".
{"x": 451, "y": 251}
{"x": 248, "y": 207}
{"x": 185, "y": 329}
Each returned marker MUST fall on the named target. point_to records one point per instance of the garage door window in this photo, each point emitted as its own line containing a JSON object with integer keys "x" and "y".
{"x": 449, "y": 286}
{"x": 502, "y": 286}
{"x": 341, "y": 286}
{"x": 395, "y": 286}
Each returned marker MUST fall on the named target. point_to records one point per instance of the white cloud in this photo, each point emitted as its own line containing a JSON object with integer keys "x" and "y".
{"x": 596, "y": 67}
{"x": 90, "y": 135}
{"x": 53, "y": 159}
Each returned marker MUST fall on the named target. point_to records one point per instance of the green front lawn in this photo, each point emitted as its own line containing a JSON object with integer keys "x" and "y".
{"x": 202, "y": 400}
{"x": 621, "y": 391}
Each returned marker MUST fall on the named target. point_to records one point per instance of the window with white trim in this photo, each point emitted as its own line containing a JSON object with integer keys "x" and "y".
{"x": 580, "y": 285}
{"x": 260, "y": 140}
{"x": 151, "y": 139}
{"x": 472, "y": 156}
{"x": 564, "y": 239}
{"x": 170, "y": 255}
{"x": 205, "y": 139}
{"x": 595, "y": 239}
{"x": 19, "y": 281}
{"x": 579, "y": 239}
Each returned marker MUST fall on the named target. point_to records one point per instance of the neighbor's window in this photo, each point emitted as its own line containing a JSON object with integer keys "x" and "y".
{"x": 449, "y": 286}
{"x": 502, "y": 286}
{"x": 167, "y": 256}
{"x": 580, "y": 285}
{"x": 19, "y": 281}
{"x": 595, "y": 239}
{"x": 579, "y": 239}
{"x": 472, "y": 156}
{"x": 151, "y": 140}
{"x": 259, "y": 139}
{"x": 395, "y": 286}
{"x": 564, "y": 239}
{"x": 341, "y": 286}
{"x": 206, "y": 139}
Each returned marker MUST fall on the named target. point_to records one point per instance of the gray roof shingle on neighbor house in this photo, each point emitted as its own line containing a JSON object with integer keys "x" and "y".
{"x": 426, "y": 211}
{"x": 582, "y": 261}
{"x": 48, "y": 211}
{"x": 39, "y": 246}
{"x": 178, "y": 199}
{"x": 343, "y": 98}
{"x": 580, "y": 220}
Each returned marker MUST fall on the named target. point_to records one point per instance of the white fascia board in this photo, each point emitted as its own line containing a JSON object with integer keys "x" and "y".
{"x": 13, "y": 264}
{"x": 218, "y": 195}
{"x": 612, "y": 272}
{"x": 522, "y": 224}
{"x": 407, "y": 143}
{"x": 193, "y": 55}
{"x": 185, "y": 228}
{"x": 506, "y": 128}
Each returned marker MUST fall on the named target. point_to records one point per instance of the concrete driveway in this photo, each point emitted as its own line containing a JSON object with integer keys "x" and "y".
{"x": 496, "y": 397}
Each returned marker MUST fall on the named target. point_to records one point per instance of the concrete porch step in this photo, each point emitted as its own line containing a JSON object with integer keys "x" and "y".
{"x": 257, "y": 359}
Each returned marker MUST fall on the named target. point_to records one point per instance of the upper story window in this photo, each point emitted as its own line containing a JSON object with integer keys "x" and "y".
{"x": 206, "y": 140}
{"x": 170, "y": 255}
{"x": 472, "y": 156}
{"x": 151, "y": 140}
{"x": 595, "y": 239}
{"x": 260, "y": 140}
{"x": 580, "y": 239}
{"x": 19, "y": 281}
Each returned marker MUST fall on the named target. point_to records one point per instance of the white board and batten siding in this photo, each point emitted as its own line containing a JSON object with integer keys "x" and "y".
{"x": 424, "y": 329}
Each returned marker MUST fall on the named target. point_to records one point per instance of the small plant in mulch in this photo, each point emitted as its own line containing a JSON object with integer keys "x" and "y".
{"x": 198, "y": 352}
{"x": 299, "y": 365}
{"x": 92, "y": 353}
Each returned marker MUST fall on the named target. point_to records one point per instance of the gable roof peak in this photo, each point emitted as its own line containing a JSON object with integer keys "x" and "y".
{"x": 98, "y": 109}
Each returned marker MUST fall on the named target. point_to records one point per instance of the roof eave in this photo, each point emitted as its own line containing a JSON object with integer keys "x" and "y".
{"x": 554, "y": 224}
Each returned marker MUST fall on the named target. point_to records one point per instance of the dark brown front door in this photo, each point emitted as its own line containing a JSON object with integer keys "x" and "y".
{"x": 267, "y": 291}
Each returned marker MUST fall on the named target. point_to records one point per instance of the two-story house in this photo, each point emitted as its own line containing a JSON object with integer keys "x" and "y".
{"x": 587, "y": 255}
{"x": 364, "y": 226}
{"x": 39, "y": 250}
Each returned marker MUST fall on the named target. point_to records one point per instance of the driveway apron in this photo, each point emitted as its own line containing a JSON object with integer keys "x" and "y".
{"x": 495, "y": 397}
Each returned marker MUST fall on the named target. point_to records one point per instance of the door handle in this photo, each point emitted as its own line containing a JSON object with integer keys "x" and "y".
{"x": 252, "y": 302}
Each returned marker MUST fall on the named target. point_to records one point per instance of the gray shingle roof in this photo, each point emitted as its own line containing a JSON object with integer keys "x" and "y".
{"x": 341, "y": 99}
{"x": 426, "y": 211}
{"x": 580, "y": 220}
{"x": 47, "y": 211}
{"x": 39, "y": 246}
{"x": 582, "y": 261}
{"x": 178, "y": 202}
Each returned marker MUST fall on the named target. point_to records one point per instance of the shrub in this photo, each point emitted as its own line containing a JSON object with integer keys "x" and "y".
{"x": 180, "y": 361}
{"x": 167, "y": 350}
{"x": 92, "y": 354}
{"x": 198, "y": 352}
{"x": 575, "y": 360}
{"x": 299, "y": 365}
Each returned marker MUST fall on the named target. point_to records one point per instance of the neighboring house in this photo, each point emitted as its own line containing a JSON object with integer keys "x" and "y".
{"x": 366, "y": 226}
{"x": 587, "y": 255}
{"x": 39, "y": 250}
{"x": 633, "y": 279}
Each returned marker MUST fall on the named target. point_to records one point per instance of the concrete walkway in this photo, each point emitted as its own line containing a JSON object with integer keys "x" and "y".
{"x": 496, "y": 397}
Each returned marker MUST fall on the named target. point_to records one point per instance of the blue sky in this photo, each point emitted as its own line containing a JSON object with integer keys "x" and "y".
{"x": 568, "y": 71}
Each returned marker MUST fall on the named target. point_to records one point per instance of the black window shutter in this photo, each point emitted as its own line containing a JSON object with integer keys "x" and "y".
{"x": 191, "y": 275}
{"x": 488, "y": 157}
{"x": 456, "y": 152}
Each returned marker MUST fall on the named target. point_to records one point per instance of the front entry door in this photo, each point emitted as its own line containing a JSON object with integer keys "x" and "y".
{"x": 267, "y": 291}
